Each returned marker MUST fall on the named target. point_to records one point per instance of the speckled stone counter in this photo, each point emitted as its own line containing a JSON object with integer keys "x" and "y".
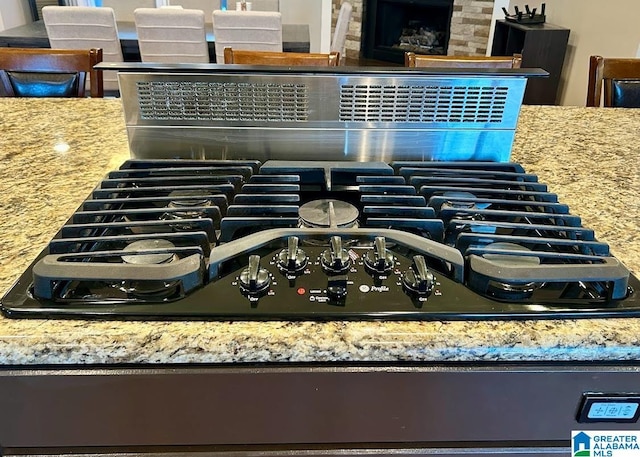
{"x": 53, "y": 152}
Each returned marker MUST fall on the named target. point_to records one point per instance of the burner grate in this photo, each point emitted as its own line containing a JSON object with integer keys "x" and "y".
{"x": 262, "y": 204}
{"x": 501, "y": 217}
{"x": 168, "y": 210}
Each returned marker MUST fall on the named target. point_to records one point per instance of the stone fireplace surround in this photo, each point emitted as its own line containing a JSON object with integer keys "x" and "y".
{"x": 470, "y": 25}
{"x": 393, "y": 27}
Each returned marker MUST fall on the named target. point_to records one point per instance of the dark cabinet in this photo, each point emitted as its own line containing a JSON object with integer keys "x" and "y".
{"x": 309, "y": 410}
{"x": 36, "y": 7}
{"x": 542, "y": 46}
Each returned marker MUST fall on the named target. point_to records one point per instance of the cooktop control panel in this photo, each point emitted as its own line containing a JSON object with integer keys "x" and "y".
{"x": 336, "y": 275}
{"x": 331, "y": 275}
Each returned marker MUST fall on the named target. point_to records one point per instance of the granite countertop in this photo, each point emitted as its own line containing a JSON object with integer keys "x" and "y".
{"x": 53, "y": 152}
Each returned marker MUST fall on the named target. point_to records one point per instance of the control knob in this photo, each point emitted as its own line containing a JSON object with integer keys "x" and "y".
{"x": 335, "y": 260}
{"x": 292, "y": 260}
{"x": 379, "y": 260}
{"x": 254, "y": 280}
{"x": 418, "y": 279}
{"x": 337, "y": 288}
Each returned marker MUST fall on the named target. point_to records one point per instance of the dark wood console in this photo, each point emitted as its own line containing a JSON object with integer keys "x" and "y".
{"x": 541, "y": 45}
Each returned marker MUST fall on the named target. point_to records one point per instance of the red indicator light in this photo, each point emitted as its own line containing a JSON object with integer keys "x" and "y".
{"x": 301, "y": 291}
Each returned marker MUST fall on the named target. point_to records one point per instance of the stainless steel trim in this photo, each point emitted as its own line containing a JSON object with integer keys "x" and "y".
{"x": 264, "y": 115}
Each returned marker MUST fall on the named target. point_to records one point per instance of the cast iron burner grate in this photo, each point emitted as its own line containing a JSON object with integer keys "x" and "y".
{"x": 218, "y": 239}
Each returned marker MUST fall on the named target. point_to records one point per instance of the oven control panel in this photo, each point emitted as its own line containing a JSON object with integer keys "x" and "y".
{"x": 609, "y": 407}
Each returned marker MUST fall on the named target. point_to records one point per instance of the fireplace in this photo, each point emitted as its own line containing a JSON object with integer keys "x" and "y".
{"x": 392, "y": 27}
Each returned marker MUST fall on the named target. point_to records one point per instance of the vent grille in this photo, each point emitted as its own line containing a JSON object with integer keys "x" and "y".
{"x": 222, "y": 101}
{"x": 371, "y": 103}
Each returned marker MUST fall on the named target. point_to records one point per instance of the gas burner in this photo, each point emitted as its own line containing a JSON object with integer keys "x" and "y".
{"x": 197, "y": 200}
{"x": 326, "y": 213}
{"x": 149, "y": 259}
{"x": 509, "y": 259}
{"x": 506, "y": 291}
{"x": 149, "y": 289}
{"x": 458, "y": 204}
{"x": 186, "y": 204}
{"x": 465, "y": 202}
{"x": 472, "y": 217}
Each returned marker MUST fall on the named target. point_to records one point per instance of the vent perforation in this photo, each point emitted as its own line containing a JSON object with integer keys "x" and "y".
{"x": 216, "y": 101}
{"x": 376, "y": 103}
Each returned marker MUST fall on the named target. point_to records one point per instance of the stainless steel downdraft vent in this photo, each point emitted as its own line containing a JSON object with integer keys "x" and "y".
{"x": 375, "y": 103}
{"x": 222, "y": 101}
{"x": 312, "y": 113}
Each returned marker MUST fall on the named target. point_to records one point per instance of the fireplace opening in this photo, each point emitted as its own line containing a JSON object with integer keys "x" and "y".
{"x": 392, "y": 27}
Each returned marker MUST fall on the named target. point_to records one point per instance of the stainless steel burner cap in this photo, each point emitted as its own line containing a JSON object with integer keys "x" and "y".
{"x": 148, "y": 259}
{"x": 328, "y": 213}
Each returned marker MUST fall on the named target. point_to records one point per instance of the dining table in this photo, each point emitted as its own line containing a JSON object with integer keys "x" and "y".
{"x": 295, "y": 38}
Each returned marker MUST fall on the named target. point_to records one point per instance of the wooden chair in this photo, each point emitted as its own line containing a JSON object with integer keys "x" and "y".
{"x": 234, "y": 56}
{"x": 171, "y": 35}
{"x": 426, "y": 61}
{"x": 35, "y": 72}
{"x": 247, "y": 30}
{"x": 620, "y": 79}
{"x": 78, "y": 27}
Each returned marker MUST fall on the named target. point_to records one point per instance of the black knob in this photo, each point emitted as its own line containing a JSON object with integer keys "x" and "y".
{"x": 337, "y": 288}
{"x": 292, "y": 260}
{"x": 254, "y": 279}
{"x": 418, "y": 279}
{"x": 379, "y": 260}
{"x": 335, "y": 260}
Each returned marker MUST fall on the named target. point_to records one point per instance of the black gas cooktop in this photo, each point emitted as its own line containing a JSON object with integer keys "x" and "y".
{"x": 241, "y": 240}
